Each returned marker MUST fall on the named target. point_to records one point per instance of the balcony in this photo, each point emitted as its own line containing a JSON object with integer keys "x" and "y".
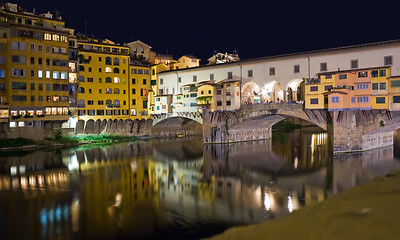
{"x": 311, "y": 81}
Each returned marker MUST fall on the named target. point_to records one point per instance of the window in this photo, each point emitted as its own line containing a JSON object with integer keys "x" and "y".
{"x": 272, "y": 71}
{"x": 335, "y": 99}
{"x": 380, "y": 100}
{"x": 382, "y": 86}
{"x": 328, "y": 87}
{"x": 323, "y": 66}
{"x": 362, "y": 86}
{"x": 374, "y": 86}
{"x": 229, "y": 75}
{"x": 374, "y": 73}
{"x": 388, "y": 60}
{"x": 228, "y": 103}
{"x": 343, "y": 76}
{"x": 313, "y": 88}
{"x": 354, "y": 63}
{"x": 219, "y": 103}
{"x": 211, "y": 76}
{"x": 396, "y": 99}
{"x": 353, "y": 99}
{"x": 362, "y": 74}
{"x": 363, "y": 99}
{"x": 314, "y": 101}
{"x": 382, "y": 73}
{"x": 296, "y": 68}
{"x": 116, "y": 61}
{"x": 194, "y": 78}
{"x": 395, "y": 83}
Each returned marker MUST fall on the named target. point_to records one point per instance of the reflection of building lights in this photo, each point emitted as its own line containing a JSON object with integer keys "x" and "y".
{"x": 290, "y": 203}
{"x": 24, "y": 183}
{"x": 73, "y": 163}
{"x": 134, "y": 166}
{"x": 32, "y": 181}
{"x": 40, "y": 180}
{"x": 118, "y": 199}
{"x": 267, "y": 202}
{"x": 296, "y": 162}
{"x": 22, "y": 169}
{"x": 13, "y": 170}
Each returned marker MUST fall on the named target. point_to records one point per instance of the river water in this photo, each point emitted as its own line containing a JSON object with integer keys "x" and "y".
{"x": 174, "y": 188}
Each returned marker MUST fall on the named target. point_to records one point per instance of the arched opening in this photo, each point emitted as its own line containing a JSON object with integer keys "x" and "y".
{"x": 278, "y": 92}
{"x": 251, "y": 93}
{"x": 116, "y": 61}
{"x": 81, "y": 103}
{"x": 294, "y": 91}
{"x": 116, "y": 103}
{"x": 272, "y": 92}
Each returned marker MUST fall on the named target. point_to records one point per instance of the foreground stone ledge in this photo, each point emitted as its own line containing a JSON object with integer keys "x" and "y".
{"x": 368, "y": 211}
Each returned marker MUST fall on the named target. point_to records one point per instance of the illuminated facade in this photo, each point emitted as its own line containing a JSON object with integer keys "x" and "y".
{"x": 139, "y": 90}
{"x": 103, "y": 91}
{"x": 364, "y": 89}
{"x": 33, "y": 68}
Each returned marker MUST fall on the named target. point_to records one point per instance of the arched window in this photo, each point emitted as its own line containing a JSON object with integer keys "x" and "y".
{"x": 81, "y": 90}
{"x": 116, "y": 70}
{"x": 108, "y": 80}
{"x": 81, "y": 78}
{"x": 153, "y": 72}
{"x": 108, "y": 60}
{"x": 108, "y": 91}
{"x": 108, "y": 70}
{"x": 109, "y": 103}
{"x": 81, "y": 103}
{"x": 116, "y": 80}
{"x": 116, "y": 91}
{"x": 116, "y": 103}
{"x": 116, "y": 61}
{"x": 81, "y": 68}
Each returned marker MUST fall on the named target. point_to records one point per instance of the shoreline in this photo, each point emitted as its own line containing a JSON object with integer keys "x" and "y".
{"x": 366, "y": 211}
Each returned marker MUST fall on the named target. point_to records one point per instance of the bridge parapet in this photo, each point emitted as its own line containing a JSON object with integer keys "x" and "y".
{"x": 196, "y": 116}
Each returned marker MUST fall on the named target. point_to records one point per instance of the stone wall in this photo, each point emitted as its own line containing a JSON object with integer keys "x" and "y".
{"x": 176, "y": 126}
{"x": 115, "y": 127}
{"x": 360, "y": 130}
{"x": 38, "y": 130}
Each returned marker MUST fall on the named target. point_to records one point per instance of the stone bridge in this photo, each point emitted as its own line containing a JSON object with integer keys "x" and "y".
{"x": 253, "y": 122}
{"x": 350, "y": 130}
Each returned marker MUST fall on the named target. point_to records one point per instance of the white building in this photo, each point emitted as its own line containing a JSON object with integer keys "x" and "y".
{"x": 282, "y": 77}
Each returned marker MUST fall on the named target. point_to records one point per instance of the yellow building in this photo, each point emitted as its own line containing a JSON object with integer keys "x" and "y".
{"x": 379, "y": 82}
{"x": 33, "y": 67}
{"x": 315, "y": 89}
{"x": 103, "y": 78}
{"x": 139, "y": 90}
{"x": 205, "y": 95}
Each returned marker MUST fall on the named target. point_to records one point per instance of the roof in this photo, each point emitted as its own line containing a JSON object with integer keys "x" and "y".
{"x": 306, "y": 53}
{"x": 353, "y": 70}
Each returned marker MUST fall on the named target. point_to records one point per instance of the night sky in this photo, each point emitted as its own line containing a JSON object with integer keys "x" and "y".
{"x": 253, "y": 29}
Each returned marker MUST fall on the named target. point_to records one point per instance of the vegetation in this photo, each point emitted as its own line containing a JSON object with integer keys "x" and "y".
{"x": 15, "y": 142}
{"x": 60, "y": 140}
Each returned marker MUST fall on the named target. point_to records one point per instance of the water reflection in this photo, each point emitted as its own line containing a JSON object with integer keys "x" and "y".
{"x": 173, "y": 189}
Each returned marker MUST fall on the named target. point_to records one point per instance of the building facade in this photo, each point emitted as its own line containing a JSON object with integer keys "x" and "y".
{"x": 34, "y": 85}
{"x": 103, "y": 91}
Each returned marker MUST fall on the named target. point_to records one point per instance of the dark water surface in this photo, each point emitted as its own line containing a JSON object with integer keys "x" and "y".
{"x": 176, "y": 188}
